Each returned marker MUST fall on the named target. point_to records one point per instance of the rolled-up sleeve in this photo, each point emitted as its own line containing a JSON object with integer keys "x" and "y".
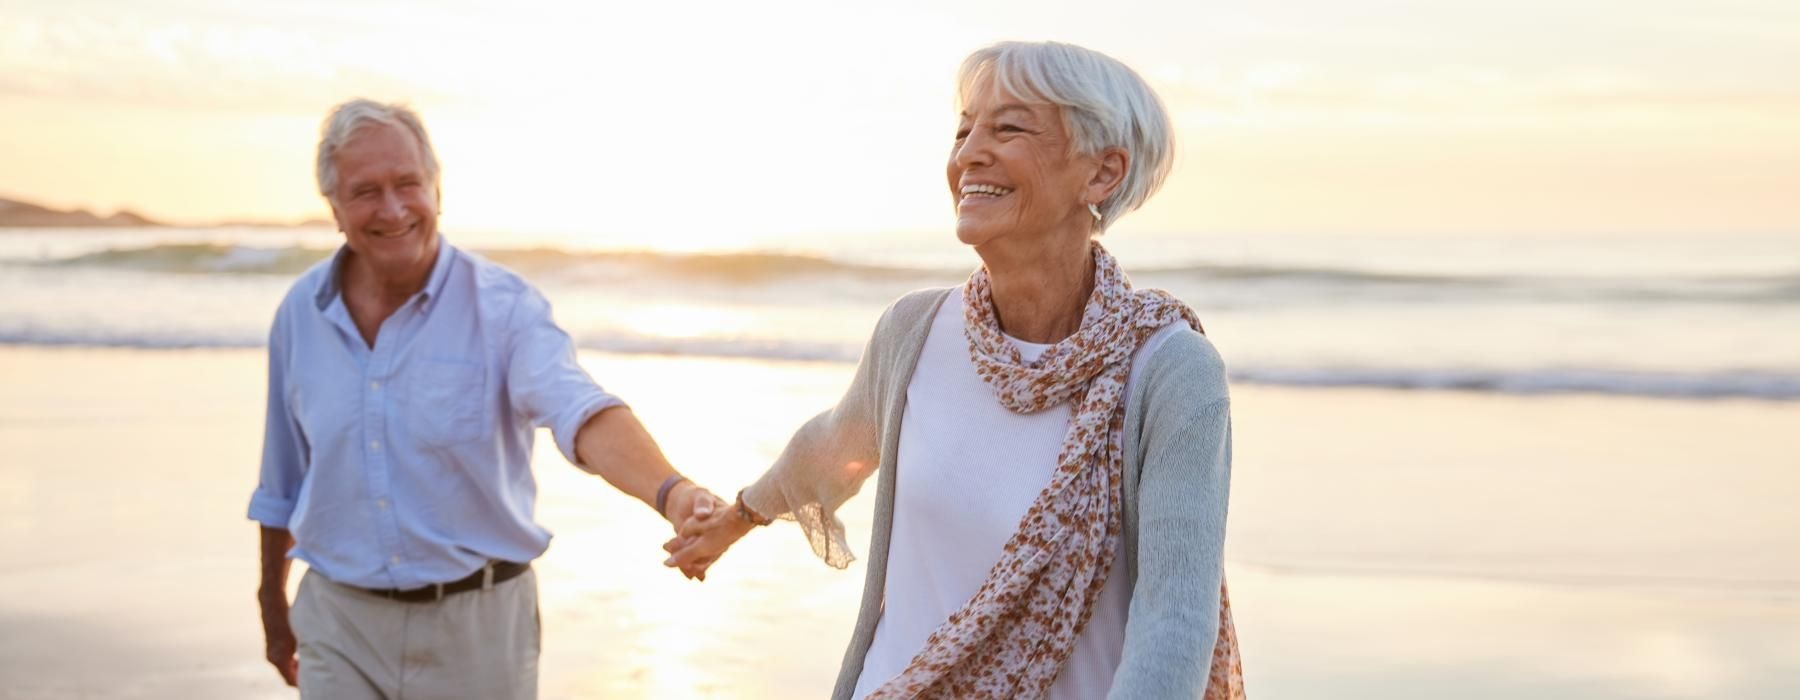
{"x": 545, "y": 379}
{"x": 284, "y": 445}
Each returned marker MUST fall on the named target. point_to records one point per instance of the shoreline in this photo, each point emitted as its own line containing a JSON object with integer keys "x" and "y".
{"x": 629, "y": 348}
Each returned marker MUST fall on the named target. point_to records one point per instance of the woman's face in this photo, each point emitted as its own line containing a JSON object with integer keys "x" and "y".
{"x": 1013, "y": 173}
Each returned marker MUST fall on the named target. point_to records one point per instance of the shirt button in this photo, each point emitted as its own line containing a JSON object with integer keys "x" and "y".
{"x": 394, "y": 559}
{"x": 374, "y": 386}
{"x": 381, "y": 504}
{"x": 374, "y": 444}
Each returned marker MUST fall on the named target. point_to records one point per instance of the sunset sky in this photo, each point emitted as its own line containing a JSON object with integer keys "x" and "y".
{"x": 706, "y": 121}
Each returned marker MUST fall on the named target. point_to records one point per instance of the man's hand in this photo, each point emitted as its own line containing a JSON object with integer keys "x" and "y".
{"x": 279, "y": 646}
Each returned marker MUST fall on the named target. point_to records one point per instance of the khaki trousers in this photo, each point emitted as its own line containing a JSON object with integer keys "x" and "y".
{"x": 475, "y": 644}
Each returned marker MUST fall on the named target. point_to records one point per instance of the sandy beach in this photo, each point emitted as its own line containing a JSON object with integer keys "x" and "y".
{"x": 1382, "y": 544}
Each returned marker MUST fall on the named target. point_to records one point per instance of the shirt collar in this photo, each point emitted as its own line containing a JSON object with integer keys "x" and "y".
{"x": 330, "y": 287}
{"x": 440, "y": 270}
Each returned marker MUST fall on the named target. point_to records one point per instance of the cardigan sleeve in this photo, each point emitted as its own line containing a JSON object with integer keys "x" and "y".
{"x": 831, "y": 455}
{"x": 1184, "y": 487}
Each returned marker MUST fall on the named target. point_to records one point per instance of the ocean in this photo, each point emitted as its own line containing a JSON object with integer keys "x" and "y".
{"x": 1701, "y": 317}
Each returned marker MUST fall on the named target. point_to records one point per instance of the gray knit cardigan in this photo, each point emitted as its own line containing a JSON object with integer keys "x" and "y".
{"x": 1177, "y": 483}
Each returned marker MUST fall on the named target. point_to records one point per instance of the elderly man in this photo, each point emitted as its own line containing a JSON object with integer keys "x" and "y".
{"x": 406, "y": 378}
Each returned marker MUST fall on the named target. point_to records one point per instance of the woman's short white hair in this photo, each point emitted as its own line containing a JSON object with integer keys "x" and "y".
{"x": 347, "y": 118}
{"x": 1104, "y": 105}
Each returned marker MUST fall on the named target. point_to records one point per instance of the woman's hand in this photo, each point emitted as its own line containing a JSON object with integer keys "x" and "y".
{"x": 703, "y": 538}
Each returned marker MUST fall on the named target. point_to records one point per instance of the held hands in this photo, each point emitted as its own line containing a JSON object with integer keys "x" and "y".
{"x": 703, "y": 537}
{"x": 687, "y": 501}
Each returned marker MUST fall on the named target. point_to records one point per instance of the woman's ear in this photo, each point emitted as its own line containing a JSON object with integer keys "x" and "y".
{"x": 1109, "y": 173}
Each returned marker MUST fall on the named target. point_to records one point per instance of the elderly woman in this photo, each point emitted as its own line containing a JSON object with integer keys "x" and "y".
{"x": 1053, "y": 446}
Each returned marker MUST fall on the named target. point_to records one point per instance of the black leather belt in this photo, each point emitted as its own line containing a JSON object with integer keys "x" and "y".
{"x": 503, "y": 571}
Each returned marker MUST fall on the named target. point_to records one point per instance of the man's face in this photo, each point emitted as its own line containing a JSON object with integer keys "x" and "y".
{"x": 386, "y": 203}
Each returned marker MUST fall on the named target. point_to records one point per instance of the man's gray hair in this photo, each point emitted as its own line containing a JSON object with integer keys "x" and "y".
{"x": 346, "y": 119}
{"x": 1104, "y": 104}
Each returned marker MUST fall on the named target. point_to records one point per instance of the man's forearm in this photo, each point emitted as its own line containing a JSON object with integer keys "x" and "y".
{"x": 616, "y": 446}
{"x": 275, "y": 545}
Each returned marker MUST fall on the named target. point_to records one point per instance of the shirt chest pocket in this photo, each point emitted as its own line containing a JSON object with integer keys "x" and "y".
{"x": 447, "y": 402}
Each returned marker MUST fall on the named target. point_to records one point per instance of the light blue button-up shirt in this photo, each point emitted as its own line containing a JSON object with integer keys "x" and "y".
{"x": 409, "y": 463}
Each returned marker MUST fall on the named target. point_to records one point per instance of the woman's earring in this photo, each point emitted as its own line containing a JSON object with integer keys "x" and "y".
{"x": 1095, "y": 210}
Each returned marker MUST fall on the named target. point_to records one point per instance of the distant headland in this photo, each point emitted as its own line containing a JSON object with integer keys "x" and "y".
{"x": 21, "y": 214}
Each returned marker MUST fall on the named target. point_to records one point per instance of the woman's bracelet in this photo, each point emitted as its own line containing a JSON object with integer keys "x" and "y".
{"x": 662, "y": 494}
{"x": 747, "y": 515}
